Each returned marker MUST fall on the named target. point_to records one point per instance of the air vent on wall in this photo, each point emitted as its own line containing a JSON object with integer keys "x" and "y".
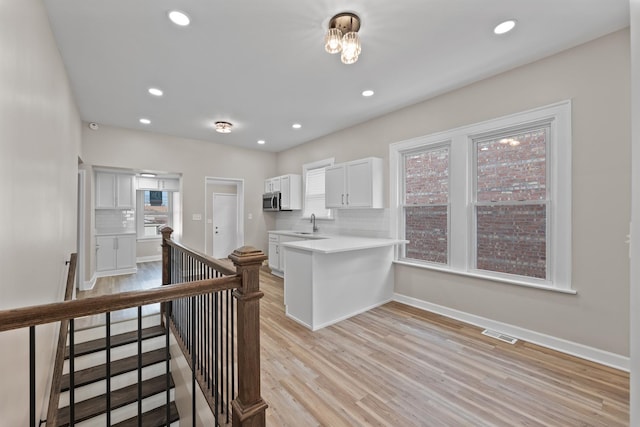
{"x": 500, "y": 336}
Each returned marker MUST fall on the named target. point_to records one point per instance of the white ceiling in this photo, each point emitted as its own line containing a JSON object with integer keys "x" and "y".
{"x": 261, "y": 64}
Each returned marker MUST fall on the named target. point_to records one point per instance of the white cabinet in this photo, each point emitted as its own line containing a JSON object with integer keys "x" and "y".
{"x": 290, "y": 188}
{"x": 276, "y": 252}
{"x": 154, "y": 184}
{"x": 116, "y": 254}
{"x": 272, "y": 184}
{"x": 355, "y": 184}
{"x": 114, "y": 191}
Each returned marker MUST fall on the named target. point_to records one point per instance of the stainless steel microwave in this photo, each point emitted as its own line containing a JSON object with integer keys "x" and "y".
{"x": 271, "y": 201}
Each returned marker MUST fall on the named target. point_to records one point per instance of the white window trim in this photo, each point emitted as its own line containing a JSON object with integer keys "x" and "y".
{"x": 461, "y": 186}
{"x": 309, "y": 166}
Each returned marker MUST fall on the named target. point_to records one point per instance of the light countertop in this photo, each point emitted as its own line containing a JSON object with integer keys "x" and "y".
{"x": 333, "y": 244}
{"x": 301, "y": 234}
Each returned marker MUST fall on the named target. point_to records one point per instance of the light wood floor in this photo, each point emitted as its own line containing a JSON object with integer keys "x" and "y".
{"x": 400, "y": 366}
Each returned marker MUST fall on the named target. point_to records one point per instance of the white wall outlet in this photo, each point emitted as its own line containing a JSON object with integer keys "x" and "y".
{"x": 250, "y": 216}
{"x": 196, "y": 217}
{"x": 209, "y": 221}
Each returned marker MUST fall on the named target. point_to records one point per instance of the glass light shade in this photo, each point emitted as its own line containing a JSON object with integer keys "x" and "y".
{"x": 223, "y": 127}
{"x": 350, "y": 48}
{"x": 333, "y": 40}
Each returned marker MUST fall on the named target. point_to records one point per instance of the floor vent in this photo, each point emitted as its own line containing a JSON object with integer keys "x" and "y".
{"x": 499, "y": 336}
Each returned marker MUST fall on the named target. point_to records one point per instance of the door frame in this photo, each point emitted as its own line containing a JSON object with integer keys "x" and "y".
{"x": 208, "y": 206}
{"x": 81, "y": 232}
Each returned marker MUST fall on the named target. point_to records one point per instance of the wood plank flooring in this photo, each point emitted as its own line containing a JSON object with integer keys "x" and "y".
{"x": 400, "y": 366}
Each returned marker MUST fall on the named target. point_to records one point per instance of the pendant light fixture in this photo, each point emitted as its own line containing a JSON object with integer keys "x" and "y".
{"x": 342, "y": 36}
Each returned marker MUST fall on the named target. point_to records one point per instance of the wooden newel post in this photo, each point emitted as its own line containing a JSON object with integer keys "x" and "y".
{"x": 166, "y": 267}
{"x": 249, "y": 408}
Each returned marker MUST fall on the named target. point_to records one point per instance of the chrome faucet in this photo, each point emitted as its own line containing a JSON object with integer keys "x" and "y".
{"x": 313, "y": 221}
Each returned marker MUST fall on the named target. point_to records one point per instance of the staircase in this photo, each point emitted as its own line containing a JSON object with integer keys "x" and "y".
{"x": 90, "y": 382}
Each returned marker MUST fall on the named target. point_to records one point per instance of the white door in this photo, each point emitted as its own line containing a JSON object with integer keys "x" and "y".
{"x": 225, "y": 224}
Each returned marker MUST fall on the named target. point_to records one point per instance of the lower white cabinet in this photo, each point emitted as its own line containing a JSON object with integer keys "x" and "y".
{"x": 115, "y": 254}
{"x": 276, "y": 252}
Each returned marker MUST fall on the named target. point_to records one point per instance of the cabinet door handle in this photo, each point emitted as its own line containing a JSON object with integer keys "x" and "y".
{"x": 347, "y": 198}
{"x": 277, "y": 249}
{"x": 342, "y": 199}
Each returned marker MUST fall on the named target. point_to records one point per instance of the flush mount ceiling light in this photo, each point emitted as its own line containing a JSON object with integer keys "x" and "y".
{"x": 155, "y": 91}
{"x": 505, "y": 27}
{"x": 223, "y": 127}
{"x": 179, "y": 18}
{"x": 296, "y": 125}
{"x": 261, "y": 141}
{"x": 367, "y": 93}
{"x": 145, "y": 121}
{"x": 342, "y": 36}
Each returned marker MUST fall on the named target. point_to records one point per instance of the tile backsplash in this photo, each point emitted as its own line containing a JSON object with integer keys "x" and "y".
{"x": 115, "y": 221}
{"x": 351, "y": 222}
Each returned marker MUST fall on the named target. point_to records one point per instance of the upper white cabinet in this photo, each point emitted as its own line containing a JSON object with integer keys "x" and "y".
{"x": 272, "y": 184}
{"x": 114, "y": 191}
{"x": 355, "y": 184}
{"x": 161, "y": 184}
{"x": 290, "y": 188}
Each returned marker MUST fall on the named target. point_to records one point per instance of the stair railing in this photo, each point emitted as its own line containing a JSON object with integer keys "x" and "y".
{"x": 248, "y": 407}
{"x": 219, "y": 333}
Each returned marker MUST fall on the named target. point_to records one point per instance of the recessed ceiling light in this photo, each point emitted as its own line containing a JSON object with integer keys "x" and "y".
{"x": 179, "y": 18}
{"x": 155, "y": 91}
{"x": 261, "y": 141}
{"x": 505, "y": 27}
{"x": 145, "y": 121}
{"x": 296, "y": 125}
{"x": 367, "y": 92}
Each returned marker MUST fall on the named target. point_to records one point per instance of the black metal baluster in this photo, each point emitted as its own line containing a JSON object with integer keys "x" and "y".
{"x": 216, "y": 382}
{"x": 140, "y": 366}
{"x": 108, "y": 357}
{"x": 228, "y": 352}
{"x": 193, "y": 363}
{"x": 72, "y": 392}
{"x": 32, "y": 376}
{"x": 221, "y": 348}
{"x": 233, "y": 343}
{"x": 167, "y": 356}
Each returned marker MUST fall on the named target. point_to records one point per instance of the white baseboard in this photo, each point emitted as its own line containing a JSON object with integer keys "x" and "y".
{"x": 149, "y": 258}
{"x": 87, "y": 285}
{"x": 575, "y": 349}
{"x": 108, "y": 273}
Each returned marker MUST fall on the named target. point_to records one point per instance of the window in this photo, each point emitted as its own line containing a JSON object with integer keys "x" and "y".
{"x": 489, "y": 200}
{"x": 154, "y": 209}
{"x": 313, "y": 174}
{"x": 426, "y": 204}
{"x": 511, "y": 203}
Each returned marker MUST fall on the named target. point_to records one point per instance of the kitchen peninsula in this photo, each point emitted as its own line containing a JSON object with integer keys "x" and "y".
{"x": 331, "y": 279}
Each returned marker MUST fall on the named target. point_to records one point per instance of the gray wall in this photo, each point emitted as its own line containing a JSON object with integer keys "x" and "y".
{"x": 39, "y": 149}
{"x": 195, "y": 160}
{"x": 596, "y": 77}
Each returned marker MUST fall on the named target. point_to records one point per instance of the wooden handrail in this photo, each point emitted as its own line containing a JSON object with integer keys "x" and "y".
{"x": 47, "y": 313}
{"x": 205, "y": 259}
{"x": 58, "y": 364}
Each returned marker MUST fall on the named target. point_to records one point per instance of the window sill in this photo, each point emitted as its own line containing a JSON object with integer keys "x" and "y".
{"x": 487, "y": 277}
{"x": 148, "y": 238}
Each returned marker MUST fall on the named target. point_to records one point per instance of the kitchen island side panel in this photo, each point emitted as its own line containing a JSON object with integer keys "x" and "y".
{"x": 298, "y": 286}
{"x": 349, "y": 283}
